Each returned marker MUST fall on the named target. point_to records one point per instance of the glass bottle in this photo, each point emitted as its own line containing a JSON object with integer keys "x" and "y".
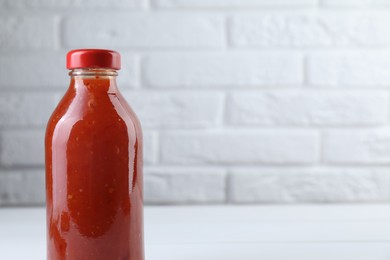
{"x": 94, "y": 177}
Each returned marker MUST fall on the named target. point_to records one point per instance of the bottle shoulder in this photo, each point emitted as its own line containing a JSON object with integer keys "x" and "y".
{"x": 97, "y": 111}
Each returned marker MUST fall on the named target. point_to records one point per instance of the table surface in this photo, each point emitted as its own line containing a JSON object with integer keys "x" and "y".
{"x": 231, "y": 232}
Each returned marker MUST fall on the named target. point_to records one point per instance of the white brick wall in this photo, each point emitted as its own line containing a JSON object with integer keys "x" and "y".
{"x": 298, "y": 107}
{"x": 222, "y": 69}
{"x": 22, "y": 148}
{"x": 349, "y": 69}
{"x": 22, "y": 187}
{"x": 26, "y": 109}
{"x": 19, "y": 32}
{"x": 144, "y": 30}
{"x": 24, "y": 69}
{"x": 74, "y": 4}
{"x": 231, "y": 3}
{"x": 357, "y": 3}
{"x": 275, "y": 185}
{"x": 185, "y": 185}
{"x": 331, "y": 29}
{"x": 176, "y": 108}
{"x": 240, "y": 147}
{"x": 357, "y": 146}
{"x": 241, "y": 101}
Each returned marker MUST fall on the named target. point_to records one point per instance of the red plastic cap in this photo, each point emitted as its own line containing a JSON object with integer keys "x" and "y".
{"x": 93, "y": 58}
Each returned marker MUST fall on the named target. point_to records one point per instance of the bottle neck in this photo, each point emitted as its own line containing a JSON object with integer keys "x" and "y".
{"x": 93, "y": 72}
{"x": 94, "y": 80}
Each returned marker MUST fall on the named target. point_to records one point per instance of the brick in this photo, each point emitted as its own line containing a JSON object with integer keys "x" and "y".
{"x": 31, "y": 71}
{"x": 27, "y": 32}
{"x": 222, "y": 69}
{"x": 26, "y": 109}
{"x": 22, "y": 148}
{"x": 294, "y": 185}
{"x": 232, "y": 3}
{"x": 150, "y": 147}
{"x": 357, "y": 3}
{"x": 240, "y": 147}
{"x": 349, "y": 69}
{"x": 306, "y": 30}
{"x": 49, "y": 4}
{"x": 144, "y": 30}
{"x": 21, "y": 188}
{"x": 174, "y": 109}
{"x": 370, "y": 146}
{"x": 182, "y": 185}
{"x": 308, "y": 108}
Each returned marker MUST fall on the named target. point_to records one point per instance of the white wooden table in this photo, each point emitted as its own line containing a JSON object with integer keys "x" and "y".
{"x": 344, "y": 232}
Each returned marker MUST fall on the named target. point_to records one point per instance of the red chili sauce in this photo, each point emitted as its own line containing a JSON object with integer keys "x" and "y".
{"x": 94, "y": 175}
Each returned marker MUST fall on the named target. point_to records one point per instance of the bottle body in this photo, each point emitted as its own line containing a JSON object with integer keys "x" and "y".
{"x": 94, "y": 177}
